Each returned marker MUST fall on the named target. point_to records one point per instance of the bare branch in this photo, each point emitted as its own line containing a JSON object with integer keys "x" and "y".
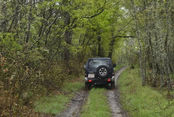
{"x": 99, "y": 11}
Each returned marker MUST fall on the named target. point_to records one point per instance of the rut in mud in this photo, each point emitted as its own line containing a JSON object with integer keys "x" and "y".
{"x": 74, "y": 107}
{"x": 113, "y": 99}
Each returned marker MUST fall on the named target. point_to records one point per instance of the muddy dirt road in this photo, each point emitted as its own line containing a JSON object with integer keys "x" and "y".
{"x": 113, "y": 98}
{"x": 75, "y": 106}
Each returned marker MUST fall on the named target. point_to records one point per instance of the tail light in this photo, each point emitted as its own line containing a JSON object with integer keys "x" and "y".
{"x": 109, "y": 80}
{"x": 89, "y": 80}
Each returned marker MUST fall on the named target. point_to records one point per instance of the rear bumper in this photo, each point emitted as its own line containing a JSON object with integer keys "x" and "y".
{"x": 99, "y": 81}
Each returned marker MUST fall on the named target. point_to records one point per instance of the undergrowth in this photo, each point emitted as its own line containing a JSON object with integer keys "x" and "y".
{"x": 54, "y": 104}
{"x": 142, "y": 101}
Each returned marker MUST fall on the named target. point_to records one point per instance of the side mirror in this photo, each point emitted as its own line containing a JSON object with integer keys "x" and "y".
{"x": 114, "y": 65}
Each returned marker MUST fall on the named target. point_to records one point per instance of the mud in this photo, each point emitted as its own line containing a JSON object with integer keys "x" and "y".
{"x": 113, "y": 98}
{"x": 75, "y": 106}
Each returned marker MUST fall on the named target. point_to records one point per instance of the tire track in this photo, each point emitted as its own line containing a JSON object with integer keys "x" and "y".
{"x": 113, "y": 98}
{"x": 74, "y": 107}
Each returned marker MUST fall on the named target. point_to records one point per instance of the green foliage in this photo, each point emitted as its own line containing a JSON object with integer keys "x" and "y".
{"x": 141, "y": 101}
{"x": 9, "y": 43}
{"x": 69, "y": 87}
{"x": 45, "y": 43}
{"x": 96, "y": 105}
{"x": 54, "y": 104}
{"x": 152, "y": 25}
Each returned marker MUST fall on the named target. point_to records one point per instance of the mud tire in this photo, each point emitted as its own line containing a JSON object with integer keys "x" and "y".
{"x": 87, "y": 86}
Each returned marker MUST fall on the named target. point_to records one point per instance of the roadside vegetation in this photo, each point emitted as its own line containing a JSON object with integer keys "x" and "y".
{"x": 96, "y": 105}
{"x": 144, "y": 101}
{"x": 54, "y": 104}
{"x": 45, "y": 43}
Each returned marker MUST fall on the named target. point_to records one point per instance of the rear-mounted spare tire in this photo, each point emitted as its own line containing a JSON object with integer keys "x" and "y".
{"x": 102, "y": 71}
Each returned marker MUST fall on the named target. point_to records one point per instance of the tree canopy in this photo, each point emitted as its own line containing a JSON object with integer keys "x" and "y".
{"x": 45, "y": 42}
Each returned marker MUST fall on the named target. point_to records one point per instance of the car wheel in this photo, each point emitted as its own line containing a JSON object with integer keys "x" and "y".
{"x": 87, "y": 86}
{"x": 109, "y": 86}
{"x": 113, "y": 85}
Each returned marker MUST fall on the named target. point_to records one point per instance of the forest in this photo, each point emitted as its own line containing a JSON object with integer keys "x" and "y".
{"x": 44, "y": 43}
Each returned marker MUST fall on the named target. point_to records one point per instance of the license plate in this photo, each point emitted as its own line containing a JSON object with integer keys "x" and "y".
{"x": 91, "y": 75}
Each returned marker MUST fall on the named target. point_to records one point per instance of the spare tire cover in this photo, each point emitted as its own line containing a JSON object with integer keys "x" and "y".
{"x": 102, "y": 71}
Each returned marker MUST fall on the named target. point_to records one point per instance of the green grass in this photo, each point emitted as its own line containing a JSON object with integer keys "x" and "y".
{"x": 96, "y": 105}
{"x": 72, "y": 86}
{"x": 54, "y": 104}
{"x": 143, "y": 101}
{"x": 118, "y": 67}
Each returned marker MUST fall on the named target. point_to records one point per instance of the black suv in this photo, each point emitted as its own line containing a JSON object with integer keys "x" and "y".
{"x": 99, "y": 71}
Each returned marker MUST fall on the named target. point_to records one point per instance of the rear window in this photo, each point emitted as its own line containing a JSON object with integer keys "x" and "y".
{"x": 97, "y": 62}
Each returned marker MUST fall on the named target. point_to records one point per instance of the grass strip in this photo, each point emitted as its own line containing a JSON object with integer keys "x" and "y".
{"x": 54, "y": 104}
{"x": 96, "y": 105}
{"x": 143, "y": 101}
{"x": 118, "y": 67}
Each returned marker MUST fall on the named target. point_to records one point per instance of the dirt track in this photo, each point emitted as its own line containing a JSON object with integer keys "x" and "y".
{"x": 75, "y": 106}
{"x": 113, "y": 98}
